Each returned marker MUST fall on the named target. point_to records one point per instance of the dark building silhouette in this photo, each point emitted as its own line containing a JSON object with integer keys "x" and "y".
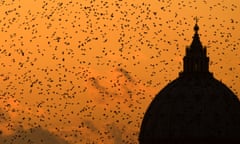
{"x": 195, "y": 107}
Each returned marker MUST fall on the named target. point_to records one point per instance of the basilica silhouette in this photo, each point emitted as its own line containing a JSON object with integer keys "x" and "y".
{"x": 194, "y": 108}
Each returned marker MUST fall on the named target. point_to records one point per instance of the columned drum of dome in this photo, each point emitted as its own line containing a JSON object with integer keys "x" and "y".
{"x": 195, "y": 107}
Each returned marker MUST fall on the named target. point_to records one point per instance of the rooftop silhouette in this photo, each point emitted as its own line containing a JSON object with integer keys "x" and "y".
{"x": 195, "y": 107}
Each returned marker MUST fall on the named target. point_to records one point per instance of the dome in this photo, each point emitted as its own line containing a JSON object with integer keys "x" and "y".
{"x": 192, "y": 108}
{"x": 195, "y": 107}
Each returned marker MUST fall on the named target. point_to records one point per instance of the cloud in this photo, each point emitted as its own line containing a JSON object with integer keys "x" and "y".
{"x": 89, "y": 124}
{"x": 116, "y": 133}
{"x": 35, "y": 135}
{"x": 125, "y": 73}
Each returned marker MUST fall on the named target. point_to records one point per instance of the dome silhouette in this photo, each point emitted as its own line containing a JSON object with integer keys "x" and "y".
{"x": 195, "y": 107}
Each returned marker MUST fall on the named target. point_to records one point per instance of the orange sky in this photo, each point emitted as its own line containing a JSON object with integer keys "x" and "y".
{"x": 86, "y": 71}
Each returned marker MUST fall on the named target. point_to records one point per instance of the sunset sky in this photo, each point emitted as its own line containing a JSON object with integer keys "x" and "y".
{"x": 86, "y": 71}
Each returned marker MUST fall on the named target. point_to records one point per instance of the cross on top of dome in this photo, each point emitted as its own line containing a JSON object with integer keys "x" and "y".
{"x": 196, "y": 28}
